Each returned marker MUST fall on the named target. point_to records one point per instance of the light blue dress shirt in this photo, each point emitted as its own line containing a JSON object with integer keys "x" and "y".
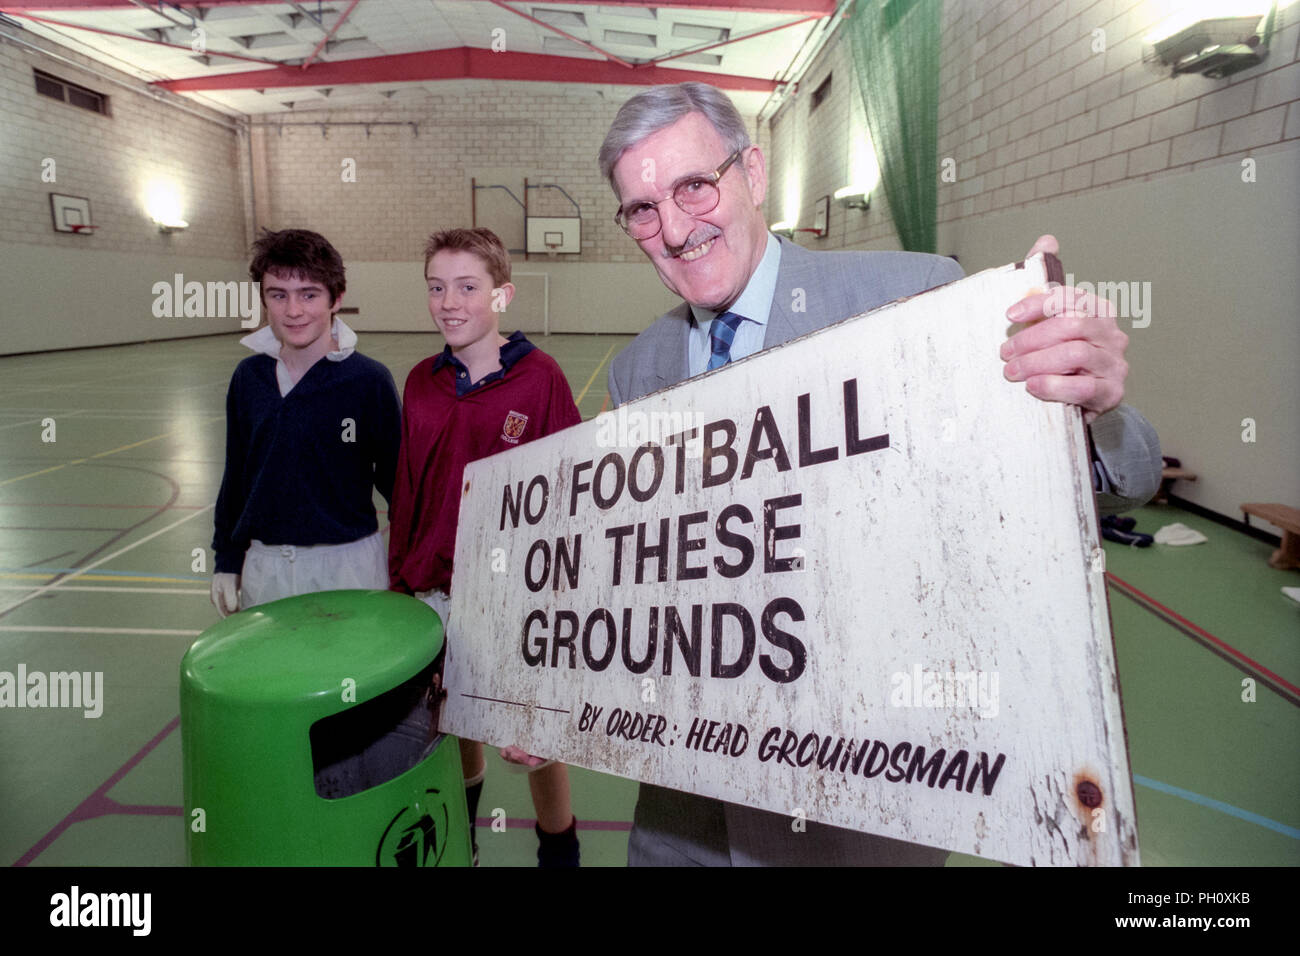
{"x": 755, "y": 304}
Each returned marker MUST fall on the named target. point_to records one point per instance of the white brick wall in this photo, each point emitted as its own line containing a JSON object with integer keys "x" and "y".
{"x": 110, "y": 159}
{"x": 815, "y": 147}
{"x": 409, "y": 185}
{"x": 1031, "y": 111}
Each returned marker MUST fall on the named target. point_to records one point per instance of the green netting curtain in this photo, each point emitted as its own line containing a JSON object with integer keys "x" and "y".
{"x": 896, "y": 60}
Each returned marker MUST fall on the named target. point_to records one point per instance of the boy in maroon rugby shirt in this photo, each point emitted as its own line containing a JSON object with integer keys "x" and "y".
{"x": 482, "y": 394}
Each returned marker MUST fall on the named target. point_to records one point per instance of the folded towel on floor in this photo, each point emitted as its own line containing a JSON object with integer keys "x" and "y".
{"x": 1178, "y": 533}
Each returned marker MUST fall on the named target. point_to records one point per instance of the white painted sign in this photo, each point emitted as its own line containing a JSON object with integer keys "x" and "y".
{"x": 854, "y": 577}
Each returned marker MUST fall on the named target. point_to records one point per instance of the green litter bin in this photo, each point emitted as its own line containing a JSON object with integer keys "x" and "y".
{"x": 309, "y": 737}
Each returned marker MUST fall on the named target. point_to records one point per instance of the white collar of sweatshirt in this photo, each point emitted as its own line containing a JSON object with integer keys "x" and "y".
{"x": 264, "y": 342}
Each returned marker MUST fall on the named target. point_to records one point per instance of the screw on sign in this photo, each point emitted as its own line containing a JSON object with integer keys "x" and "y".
{"x": 1088, "y": 810}
{"x": 1089, "y": 794}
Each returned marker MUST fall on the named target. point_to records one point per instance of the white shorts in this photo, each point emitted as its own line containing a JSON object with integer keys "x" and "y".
{"x": 274, "y": 571}
{"x": 441, "y": 603}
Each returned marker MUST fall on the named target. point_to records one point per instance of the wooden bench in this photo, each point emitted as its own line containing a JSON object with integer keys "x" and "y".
{"x": 1167, "y": 478}
{"x": 1286, "y": 518}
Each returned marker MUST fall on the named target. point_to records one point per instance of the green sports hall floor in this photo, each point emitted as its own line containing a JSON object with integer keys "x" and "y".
{"x": 95, "y": 574}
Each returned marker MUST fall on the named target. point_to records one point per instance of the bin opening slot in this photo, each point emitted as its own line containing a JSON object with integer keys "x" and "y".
{"x": 379, "y": 740}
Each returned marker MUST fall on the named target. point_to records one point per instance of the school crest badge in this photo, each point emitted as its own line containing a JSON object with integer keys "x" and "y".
{"x": 514, "y": 427}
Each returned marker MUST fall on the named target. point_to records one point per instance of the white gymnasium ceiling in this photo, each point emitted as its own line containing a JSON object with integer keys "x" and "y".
{"x": 376, "y": 53}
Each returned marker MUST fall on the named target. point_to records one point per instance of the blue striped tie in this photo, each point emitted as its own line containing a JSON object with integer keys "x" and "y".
{"x": 721, "y": 334}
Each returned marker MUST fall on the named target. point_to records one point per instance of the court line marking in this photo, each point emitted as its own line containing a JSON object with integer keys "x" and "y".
{"x": 91, "y": 415}
{"x": 46, "y": 573}
{"x": 30, "y": 527}
{"x": 1284, "y": 688}
{"x": 76, "y": 587}
{"x": 1219, "y": 805}
{"x": 109, "y": 557}
{"x": 526, "y": 823}
{"x": 51, "y": 629}
{"x": 98, "y": 803}
{"x": 32, "y": 421}
{"x": 133, "y": 389}
{"x": 102, "y": 454}
{"x": 44, "y": 411}
{"x": 583, "y": 393}
{"x": 68, "y": 504}
{"x": 42, "y": 561}
{"x": 43, "y": 471}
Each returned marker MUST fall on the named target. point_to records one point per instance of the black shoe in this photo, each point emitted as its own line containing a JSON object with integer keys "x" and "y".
{"x": 1124, "y": 523}
{"x": 1130, "y": 538}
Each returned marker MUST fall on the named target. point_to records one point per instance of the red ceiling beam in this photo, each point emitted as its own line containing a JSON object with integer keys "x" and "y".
{"x": 459, "y": 64}
{"x": 820, "y": 8}
{"x": 568, "y": 36}
{"x": 346, "y": 13}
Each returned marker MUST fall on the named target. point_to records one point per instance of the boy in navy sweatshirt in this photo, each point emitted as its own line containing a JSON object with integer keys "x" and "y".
{"x": 312, "y": 429}
{"x": 482, "y": 394}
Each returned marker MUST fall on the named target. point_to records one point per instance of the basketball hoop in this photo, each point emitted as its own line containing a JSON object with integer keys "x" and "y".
{"x": 80, "y": 228}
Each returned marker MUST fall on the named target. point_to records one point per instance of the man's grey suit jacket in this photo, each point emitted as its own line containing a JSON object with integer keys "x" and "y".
{"x": 674, "y": 828}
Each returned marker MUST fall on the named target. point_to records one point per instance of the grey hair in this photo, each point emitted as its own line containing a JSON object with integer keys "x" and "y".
{"x": 660, "y": 106}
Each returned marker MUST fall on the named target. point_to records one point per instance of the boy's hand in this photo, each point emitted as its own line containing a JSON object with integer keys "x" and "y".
{"x": 225, "y": 593}
{"x": 519, "y": 757}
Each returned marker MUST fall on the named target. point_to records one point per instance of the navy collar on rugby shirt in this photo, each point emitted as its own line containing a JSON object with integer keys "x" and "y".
{"x": 516, "y": 347}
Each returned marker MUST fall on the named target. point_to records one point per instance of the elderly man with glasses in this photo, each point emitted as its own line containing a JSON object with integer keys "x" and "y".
{"x": 690, "y": 188}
